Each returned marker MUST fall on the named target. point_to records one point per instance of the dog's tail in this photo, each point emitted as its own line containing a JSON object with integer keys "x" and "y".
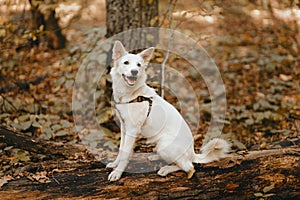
{"x": 212, "y": 151}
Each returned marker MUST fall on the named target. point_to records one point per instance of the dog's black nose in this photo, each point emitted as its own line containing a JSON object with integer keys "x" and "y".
{"x": 134, "y": 72}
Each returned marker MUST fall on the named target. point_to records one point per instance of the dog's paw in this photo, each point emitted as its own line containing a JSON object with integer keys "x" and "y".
{"x": 112, "y": 164}
{"x": 164, "y": 171}
{"x": 154, "y": 157}
{"x": 114, "y": 175}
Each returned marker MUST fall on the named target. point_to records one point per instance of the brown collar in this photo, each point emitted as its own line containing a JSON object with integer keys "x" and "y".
{"x": 141, "y": 99}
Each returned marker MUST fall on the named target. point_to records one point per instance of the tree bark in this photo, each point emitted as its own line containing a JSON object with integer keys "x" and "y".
{"x": 124, "y": 15}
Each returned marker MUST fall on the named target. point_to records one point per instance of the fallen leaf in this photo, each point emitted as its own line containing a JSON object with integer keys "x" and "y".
{"x": 284, "y": 77}
{"x": 258, "y": 194}
{"x": 41, "y": 177}
{"x": 65, "y": 123}
{"x": 5, "y": 180}
{"x": 269, "y": 195}
{"x": 61, "y": 133}
{"x": 26, "y": 125}
{"x": 238, "y": 144}
{"x": 268, "y": 188}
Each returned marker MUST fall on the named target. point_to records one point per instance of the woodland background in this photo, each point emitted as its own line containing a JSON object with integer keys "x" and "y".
{"x": 255, "y": 44}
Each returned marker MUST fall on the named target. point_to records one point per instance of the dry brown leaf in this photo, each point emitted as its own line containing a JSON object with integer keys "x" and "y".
{"x": 41, "y": 177}
{"x": 5, "y": 180}
{"x": 284, "y": 77}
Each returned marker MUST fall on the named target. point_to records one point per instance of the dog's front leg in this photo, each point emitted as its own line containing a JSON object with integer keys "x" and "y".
{"x": 123, "y": 157}
{"x": 116, "y": 162}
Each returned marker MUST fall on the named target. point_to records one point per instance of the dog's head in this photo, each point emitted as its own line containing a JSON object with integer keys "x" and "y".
{"x": 130, "y": 66}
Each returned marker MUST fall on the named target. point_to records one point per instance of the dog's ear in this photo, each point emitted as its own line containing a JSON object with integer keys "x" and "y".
{"x": 147, "y": 54}
{"x": 118, "y": 50}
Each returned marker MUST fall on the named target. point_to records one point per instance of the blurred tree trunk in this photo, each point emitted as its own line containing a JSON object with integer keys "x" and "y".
{"x": 124, "y": 15}
{"x": 47, "y": 19}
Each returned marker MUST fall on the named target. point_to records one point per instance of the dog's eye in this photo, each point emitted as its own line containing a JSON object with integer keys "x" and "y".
{"x": 126, "y": 63}
{"x": 139, "y": 64}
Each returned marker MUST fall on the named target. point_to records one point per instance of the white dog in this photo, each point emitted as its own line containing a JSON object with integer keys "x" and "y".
{"x": 142, "y": 111}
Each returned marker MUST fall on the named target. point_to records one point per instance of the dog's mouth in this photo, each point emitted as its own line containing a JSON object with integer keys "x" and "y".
{"x": 130, "y": 80}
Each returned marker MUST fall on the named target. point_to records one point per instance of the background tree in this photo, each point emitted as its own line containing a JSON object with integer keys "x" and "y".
{"x": 43, "y": 17}
{"x": 125, "y": 15}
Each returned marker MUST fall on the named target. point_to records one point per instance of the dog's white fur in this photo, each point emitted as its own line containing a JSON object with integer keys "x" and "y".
{"x": 164, "y": 126}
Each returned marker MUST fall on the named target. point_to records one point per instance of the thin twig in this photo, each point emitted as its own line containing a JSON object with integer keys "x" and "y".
{"x": 3, "y": 106}
{"x": 163, "y": 65}
{"x": 55, "y": 179}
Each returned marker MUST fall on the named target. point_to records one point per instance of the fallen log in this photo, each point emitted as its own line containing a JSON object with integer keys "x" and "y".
{"x": 271, "y": 177}
{"x": 53, "y": 149}
{"x": 265, "y": 174}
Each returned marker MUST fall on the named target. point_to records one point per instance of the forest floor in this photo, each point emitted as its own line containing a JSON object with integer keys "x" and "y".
{"x": 256, "y": 51}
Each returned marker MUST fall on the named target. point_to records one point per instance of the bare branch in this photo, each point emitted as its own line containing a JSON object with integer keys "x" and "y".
{"x": 163, "y": 65}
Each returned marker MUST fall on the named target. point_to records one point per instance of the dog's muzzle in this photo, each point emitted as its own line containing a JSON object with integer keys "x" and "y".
{"x": 130, "y": 80}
